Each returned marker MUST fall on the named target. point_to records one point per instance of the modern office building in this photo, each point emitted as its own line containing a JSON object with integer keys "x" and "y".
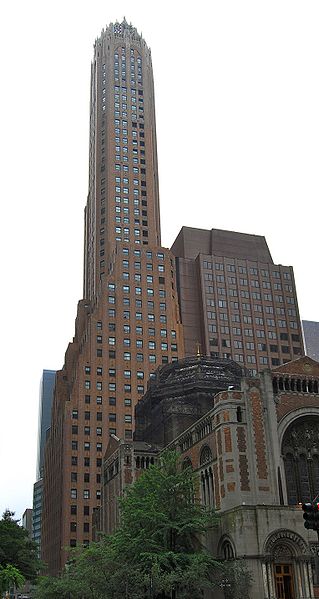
{"x": 311, "y": 338}
{"x": 128, "y": 323}
{"x": 27, "y": 520}
{"x": 45, "y": 405}
{"x": 234, "y": 301}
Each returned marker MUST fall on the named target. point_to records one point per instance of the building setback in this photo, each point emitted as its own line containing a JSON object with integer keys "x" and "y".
{"x": 234, "y": 301}
{"x": 128, "y": 323}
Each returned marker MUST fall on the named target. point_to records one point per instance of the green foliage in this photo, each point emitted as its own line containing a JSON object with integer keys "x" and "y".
{"x": 16, "y": 548}
{"x": 156, "y": 551}
{"x": 237, "y": 580}
{"x": 10, "y": 577}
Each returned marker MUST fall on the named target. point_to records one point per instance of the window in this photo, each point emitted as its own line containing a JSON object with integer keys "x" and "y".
{"x": 74, "y": 493}
{"x": 262, "y": 347}
{"x": 86, "y": 494}
{"x": 272, "y": 335}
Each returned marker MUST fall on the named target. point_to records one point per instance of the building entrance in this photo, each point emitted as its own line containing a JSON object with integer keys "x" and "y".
{"x": 284, "y": 581}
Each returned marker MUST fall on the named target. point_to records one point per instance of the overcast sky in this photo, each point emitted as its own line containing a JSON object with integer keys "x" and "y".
{"x": 237, "y": 97}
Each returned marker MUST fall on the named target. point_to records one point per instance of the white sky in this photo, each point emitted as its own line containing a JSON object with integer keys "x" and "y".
{"x": 237, "y": 99}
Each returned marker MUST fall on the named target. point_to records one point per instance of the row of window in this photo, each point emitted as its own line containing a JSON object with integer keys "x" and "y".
{"x": 139, "y": 356}
{"x": 87, "y": 415}
{"x": 256, "y": 307}
{"x": 128, "y": 329}
{"x": 282, "y": 324}
{"x": 245, "y": 283}
{"x": 86, "y": 476}
{"x": 218, "y": 266}
{"x": 86, "y": 429}
{"x": 139, "y": 343}
{"x": 86, "y": 446}
{"x": 127, "y": 387}
{"x": 73, "y": 527}
{"x": 86, "y": 494}
{"x": 86, "y": 461}
{"x": 258, "y": 320}
{"x": 138, "y": 266}
{"x": 149, "y": 290}
{"x": 74, "y": 510}
{"x": 238, "y": 344}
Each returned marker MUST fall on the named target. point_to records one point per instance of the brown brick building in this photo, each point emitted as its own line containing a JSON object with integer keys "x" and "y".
{"x": 129, "y": 321}
{"x": 216, "y": 292}
{"x": 256, "y": 454}
{"x": 234, "y": 301}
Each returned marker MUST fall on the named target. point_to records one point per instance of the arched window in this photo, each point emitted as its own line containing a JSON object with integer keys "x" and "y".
{"x": 206, "y": 476}
{"x": 300, "y": 450}
{"x": 227, "y": 550}
{"x": 205, "y": 455}
{"x": 187, "y": 463}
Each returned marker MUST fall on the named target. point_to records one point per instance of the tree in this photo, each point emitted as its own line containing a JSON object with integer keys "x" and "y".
{"x": 158, "y": 550}
{"x": 16, "y": 548}
{"x": 162, "y": 523}
{"x": 237, "y": 580}
{"x": 10, "y": 577}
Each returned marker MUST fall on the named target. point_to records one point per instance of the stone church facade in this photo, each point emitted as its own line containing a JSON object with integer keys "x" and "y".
{"x": 255, "y": 450}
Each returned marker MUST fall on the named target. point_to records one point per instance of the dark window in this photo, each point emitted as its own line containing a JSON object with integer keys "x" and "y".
{"x": 299, "y": 450}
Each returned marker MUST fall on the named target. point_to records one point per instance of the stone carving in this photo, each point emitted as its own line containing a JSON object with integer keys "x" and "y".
{"x": 281, "y": 550}
{"x": 303, "y": 433}
{"x": 293, "y": 542}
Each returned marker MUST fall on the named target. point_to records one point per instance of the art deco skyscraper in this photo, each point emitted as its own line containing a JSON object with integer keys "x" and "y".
{"x": 128, "y": 323}
{"x": 123, "y": 199}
